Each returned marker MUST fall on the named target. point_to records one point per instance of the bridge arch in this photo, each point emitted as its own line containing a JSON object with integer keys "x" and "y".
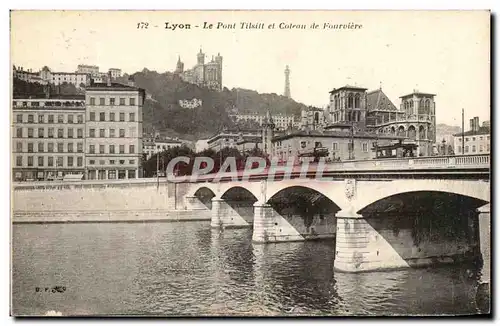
{"x": 478, "y": 190}
{"x": 334, "y": 191}
{"x": 239, "y": 193}
{"x": 197, "y": 188}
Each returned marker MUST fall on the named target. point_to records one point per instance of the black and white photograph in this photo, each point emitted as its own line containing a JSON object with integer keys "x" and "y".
{"x": 265, "y": 163}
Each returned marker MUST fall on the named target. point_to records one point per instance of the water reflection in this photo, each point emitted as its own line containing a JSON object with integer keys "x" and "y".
{"x": 189, "y": 268}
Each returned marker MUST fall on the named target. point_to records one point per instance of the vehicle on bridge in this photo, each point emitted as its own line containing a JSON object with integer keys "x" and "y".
{"x": 398, "y": 150}
{"x": 315, "y": 152}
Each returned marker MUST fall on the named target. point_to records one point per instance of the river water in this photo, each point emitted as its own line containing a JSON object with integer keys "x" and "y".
{"x": 187, "y": 268}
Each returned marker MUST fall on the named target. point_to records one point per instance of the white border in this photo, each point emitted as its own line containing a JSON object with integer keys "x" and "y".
{"x": 186, "y": 4}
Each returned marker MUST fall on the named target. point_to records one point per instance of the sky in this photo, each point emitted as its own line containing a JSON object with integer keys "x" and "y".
{"x": 446, "y": 53}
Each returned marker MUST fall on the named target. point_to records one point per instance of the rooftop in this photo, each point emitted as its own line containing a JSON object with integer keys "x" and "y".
{"x": 348, "y": 87}
{"x": 377, "y": 101}
{"x": 51, "y": 97}
{"x": 418, "y": 94}
{"x": 481, "y": 131}
{"x": 113, "y": 86}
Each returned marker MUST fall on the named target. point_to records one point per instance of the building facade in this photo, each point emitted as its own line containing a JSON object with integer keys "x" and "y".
{"x": 115, "y": 72}
{"x": 475, "y": 141}
{"x": 202, "y": 74}
{"x": 48, "y": 137}
{"x": 233, "y": 138}
{"x": 152, "y": 146}
{"x": 281, "y": 121}
{"x": 113, "y": 131}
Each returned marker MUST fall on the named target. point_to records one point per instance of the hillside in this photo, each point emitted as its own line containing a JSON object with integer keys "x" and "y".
{"x": 444, "y": 131}
{"x": 164, "y": 112}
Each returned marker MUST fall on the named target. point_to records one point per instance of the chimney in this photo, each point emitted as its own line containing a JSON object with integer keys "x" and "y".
{"x": 109, "y": 79}
{"x": 471, "y": 124}
{"x": 476, "y": 124}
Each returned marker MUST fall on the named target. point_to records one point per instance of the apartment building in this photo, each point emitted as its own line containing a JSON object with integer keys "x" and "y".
{"x": 48, "y": 137}
{"x": 113, "y": 131}
{"x": 475, "y": 141}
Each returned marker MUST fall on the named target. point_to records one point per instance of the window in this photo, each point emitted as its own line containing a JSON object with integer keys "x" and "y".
{"x": 111, "y": 161}
{"x": 132, "y": 101}
{"x": 79, "y": 133}
{"x": 112, "y": 101}
{"x": 30, "y": 132}
{"x": 335, "y": 146}
{"x": 131, "y": 161}
{"x": 60, "y": 147}
{"x": 50, "y": 147}
{"x": 79, "y": 147}
{"x": 19, "y": 147}
{"x": 122, "y": 133}
{"x": 473, "y": 148}
{"x": 92, "y": 149}
{"x": 40, "y": 118}
{"x": 80, "y": 118}
{"x": 122, "y": 149}
{"x": 131, "y": 149}
{"x": 122, "y": 101}
{"x": 60, "y": 161}
{"x": 302, "y": 144}
{"x": 365, "y": 147}
{"x": 111, "y": 149}
{"x": 30, "y": 147}
{"x": 60, "y": 118}
{"x": 79, "y": 161}
{"x": 466, "y": 138}
{"x": 459, "y": 149}
{"x": 92, "y": 116}
{"x": 102, "y": 162}
{"x": 40, "y": 147}
{"x": 122, "y": 161}
{"x": 111, "y": 133}
{"x": 30, "y": 160}
{"x": 70, "y": 118}
{"x": 111, "y": 174}
{"x": 466, "y": 149}
{"x": 60, "y": 133}
{"x": 50, "y": 161}
{"x": 131, "y": 174}
{"x": 30, "y": 118}
{"x": 91, "y": 133}
{"x": 481, "y": 138}
{"x": 101, "y": 133}
{"x": 40, "y": 160}
{"x": 19, "y": 118}
{"x": 111, "y": 116}
{"x": 70, "y": 132}
{"x": 19, "y": 161}
{"x": 101, "y": 149}
{"x": 102, "y": 101}
{"x": 122, "y": 116}
{"x": 121, "y": 174}
{"x": 91, "y": 161}
{"x": 70, "y": 147}
{"x": 51, "y": 118}
{"x": 51, "y": 133}
{"x": 488, "y": 147}
{"x": 473, "y": 138}
{"x": 41, "y": 132}
{"x": 92, "y": 101}
{"x": 102, "y": 116}
{"x": 19, "y": 132}
{"x": 481, "y": 148}
{"x": 70, "y": 161}
{"x": 487, "y": 137}
{"x": 132, "y": 117}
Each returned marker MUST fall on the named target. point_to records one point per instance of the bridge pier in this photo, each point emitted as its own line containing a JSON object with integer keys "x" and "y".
{"x": 381, "y": 242}
{"x": 231, "y": 214}
{"x": 269, "y": 226}
{"x": 359, "y": 247}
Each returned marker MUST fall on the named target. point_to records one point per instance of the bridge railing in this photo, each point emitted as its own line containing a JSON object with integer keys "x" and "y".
{"x": 465, "y": 162}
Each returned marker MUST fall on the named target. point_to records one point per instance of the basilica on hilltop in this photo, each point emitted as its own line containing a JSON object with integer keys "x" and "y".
{"x": 202, "y": 74}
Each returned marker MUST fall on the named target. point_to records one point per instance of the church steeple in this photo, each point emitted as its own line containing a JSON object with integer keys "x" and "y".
{"x": 201, "y": 57}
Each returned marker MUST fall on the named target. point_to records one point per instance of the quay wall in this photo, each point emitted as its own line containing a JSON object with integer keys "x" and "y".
{"x": 137, "y": 200}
